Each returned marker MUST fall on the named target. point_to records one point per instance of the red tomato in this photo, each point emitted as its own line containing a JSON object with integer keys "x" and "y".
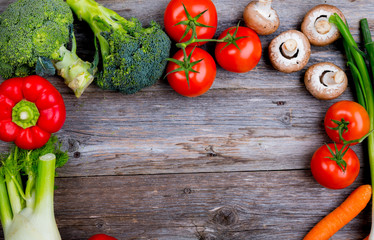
{"x": 102, "y": 237}
{"x": 328, "y": 173}
{"x": 199, "y": 82}
{"x": 354, "y": 113}
{"x": 175, "y": 13}
{"x": 234, "y": 60}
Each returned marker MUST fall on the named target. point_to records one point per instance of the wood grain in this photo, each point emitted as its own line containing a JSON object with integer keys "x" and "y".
{"x": 243, "y": 205}
{"x": 232, "y": 164}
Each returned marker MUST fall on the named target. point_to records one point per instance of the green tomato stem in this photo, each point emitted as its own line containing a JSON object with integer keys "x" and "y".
{"x": 195, "y": 40}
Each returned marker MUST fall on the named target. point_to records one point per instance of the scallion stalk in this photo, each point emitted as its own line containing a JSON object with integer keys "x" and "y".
{"x": 363, "y": 83}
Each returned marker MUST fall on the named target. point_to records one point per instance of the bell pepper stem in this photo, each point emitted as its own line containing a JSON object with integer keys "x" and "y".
{"x": 25, "y": 114}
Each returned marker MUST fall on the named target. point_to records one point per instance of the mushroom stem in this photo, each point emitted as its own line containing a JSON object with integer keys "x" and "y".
{"x": 264, "y": 6}
{"x": 289, "y": 48}
{"x": 331, "y": 78}
{"x": 322, "y": 25}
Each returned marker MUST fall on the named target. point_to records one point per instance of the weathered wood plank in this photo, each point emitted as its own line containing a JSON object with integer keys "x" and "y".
{"x": 242, "y": 150}
{"x": 261, "y": 129}
{"x": 249, "y": 130}
{"x": 241, "y": 206}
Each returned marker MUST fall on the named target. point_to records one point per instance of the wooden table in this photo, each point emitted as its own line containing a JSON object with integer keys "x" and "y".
{"x": 231, "y": 164}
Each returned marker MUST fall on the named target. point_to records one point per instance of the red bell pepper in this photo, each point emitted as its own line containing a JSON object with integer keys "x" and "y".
{"x": 101, "y": 237}
{"x": 31, "y": 109}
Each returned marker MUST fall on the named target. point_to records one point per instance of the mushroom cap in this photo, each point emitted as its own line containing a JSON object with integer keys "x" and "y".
{"x": 261, "y": 23}
{"x": 320, "y": 90}
{"x": 307, "y": 26}
{"x": 286, "y": 64}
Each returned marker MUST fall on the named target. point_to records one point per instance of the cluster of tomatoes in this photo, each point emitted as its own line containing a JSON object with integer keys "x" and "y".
{"x": 336, "y": 165}
{"x": 192, "y": 70}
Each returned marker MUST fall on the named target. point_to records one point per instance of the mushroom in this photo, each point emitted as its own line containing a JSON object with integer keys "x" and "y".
{"x": 289, "y": 51}
{"x": 325, "y": 80}
{"x": 261, "y": 17}
{"x": 316, "y": 25}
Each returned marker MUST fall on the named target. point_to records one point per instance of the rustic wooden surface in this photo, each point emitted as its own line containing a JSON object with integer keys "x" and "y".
{"x": 232, "y": 164}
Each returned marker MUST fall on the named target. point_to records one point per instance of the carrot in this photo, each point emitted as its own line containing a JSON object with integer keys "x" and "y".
{"x": 335, "y": 220}
{"x": 367, "y": 238}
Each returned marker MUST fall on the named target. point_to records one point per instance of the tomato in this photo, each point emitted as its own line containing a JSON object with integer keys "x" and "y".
{"x": 328, "y": 173}
{"x": 199, "y": 82}
{"x": 102, "y": 237}
{"x": 231, "y": 58}
{"x": 352, "y": 112}
{"x": 175, "y": 13}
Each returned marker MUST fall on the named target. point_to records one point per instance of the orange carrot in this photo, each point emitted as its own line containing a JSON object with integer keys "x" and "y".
{"x": 367, "y": 238}
{"x": 335, "y": 220}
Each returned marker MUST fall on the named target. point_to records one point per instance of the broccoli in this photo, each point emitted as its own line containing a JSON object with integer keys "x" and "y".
{"x": 33, "y": 39}
{"x": 133, "y": 57}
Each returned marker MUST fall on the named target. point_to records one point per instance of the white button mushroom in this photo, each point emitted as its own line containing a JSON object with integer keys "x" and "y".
{"x": 325, "y": 80}
{"x": 261, "y": 17}
{"x": 316, "y": 25}
{"x": 289, "y": 51}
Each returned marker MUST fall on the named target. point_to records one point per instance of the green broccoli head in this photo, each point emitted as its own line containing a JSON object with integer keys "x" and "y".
{"x": 30, "y": 29}
{"x": 134, "y": 61}
{"x": 133, "y": 57}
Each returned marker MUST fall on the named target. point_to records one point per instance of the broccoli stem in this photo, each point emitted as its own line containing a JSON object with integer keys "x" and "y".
{"x": 77, "y": 73}
{"x": 99, "y": 18}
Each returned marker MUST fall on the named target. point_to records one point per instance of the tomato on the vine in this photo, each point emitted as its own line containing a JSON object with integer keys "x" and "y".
{"x": 335, "y": 172}
{"x": 243, "y": 57}
{"x": 200, "y": 79}
{"x": 351, "y": 117}
{"x": 175, "y": 14}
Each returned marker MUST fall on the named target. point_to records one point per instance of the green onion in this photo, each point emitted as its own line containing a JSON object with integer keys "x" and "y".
{"x": 363, "y": 84}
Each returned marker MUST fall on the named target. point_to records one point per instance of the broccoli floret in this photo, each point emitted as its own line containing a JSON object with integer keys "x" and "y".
{"x": 31, "y": 30}
{"x": 133, "y": 57}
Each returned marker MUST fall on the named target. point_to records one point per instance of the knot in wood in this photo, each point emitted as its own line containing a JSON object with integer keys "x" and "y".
{"x": 286, "y": 119}
{"x": 187, "y": 191}
{"x": 211, "y": 152}
{"x": 279, "y": 103}
{"x": 225, "y": 216}
{"x": 73, "y": 145}
{"x": 99, "y": 224}
{"x": 77, "y": 155}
